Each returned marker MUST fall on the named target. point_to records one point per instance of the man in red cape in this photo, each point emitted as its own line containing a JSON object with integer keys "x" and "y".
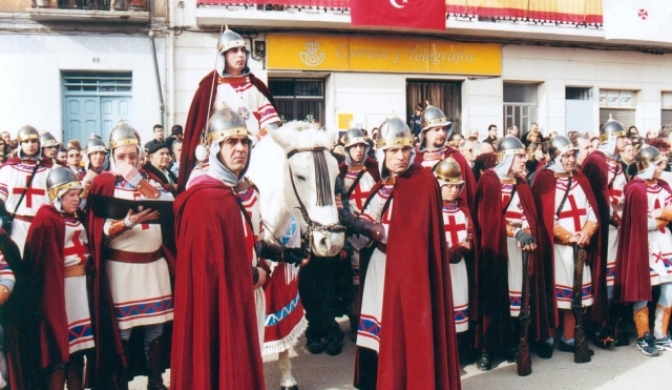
{"x": 507, "y": 220}
{"x": 435, "y": 131}
{"x": 607, "y": 180}
{"x": 545, "y": 189}
{"x": 230, "y": 79}
{"x": 644, "y": 250}
{"x": 215, "y": 337}
{"x": 406, "y": 337}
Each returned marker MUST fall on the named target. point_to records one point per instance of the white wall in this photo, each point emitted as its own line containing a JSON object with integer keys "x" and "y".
{"x": 557, "y": 68}
{"x": 31, "y": 82}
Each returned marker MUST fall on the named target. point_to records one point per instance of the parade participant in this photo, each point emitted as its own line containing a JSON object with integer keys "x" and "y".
{"x": 568, "y": 210}
{"x": 644, "y": 250}
{"x": 74, "y": 160}
{"x": 435, "y": 131}
{"x": 215, "y": 345}
{"x": 9, "y": 340}
{"x": 131, "y": 258}
{"x": 232, "y": 85}
{"x": 406, "y": 336}
{"x": 56, "y": 259}
{"x": 359, "y": 174}
{"x": 23, "y": 185}
{"x": 96, "y": 161}
{"x": 49, "y": 146}
{"x": 607, "y": 181}
{"x": 506, "y": 216}
{"x": 458, "y": 227}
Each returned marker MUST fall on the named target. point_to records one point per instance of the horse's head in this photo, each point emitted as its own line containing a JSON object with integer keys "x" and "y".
{"x": 310, "y": 180}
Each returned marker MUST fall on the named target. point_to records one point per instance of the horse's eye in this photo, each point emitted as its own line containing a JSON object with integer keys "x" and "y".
{"x": 302, "y": 178}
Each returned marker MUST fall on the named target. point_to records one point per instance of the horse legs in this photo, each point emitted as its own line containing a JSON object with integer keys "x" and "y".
{"x": 287, "y": 381}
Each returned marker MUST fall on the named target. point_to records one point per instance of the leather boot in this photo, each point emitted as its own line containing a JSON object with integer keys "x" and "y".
{"x": 124, "y": 374}
{"x": 56, "y": 379}
{"x": 75, "y": 372}
{"x": 620, "y": 330}
{"x": 155, "y": 366}
{"x": 641, "y": 317}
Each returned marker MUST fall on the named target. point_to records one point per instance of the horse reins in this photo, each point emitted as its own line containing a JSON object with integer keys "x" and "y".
{"x": 324, "y": 199}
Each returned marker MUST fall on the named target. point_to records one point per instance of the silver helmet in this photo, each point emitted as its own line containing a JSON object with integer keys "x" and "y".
{"x": 95, "y": 144}
{"x": 353, "y": 137}
{"x": 123, "y": 135}
{"x": 509, "y": 146}
{"x": 27, "y": 132}
{"x": 223, "y": 124}
{"x": 560, "y": 145}
{"x": 230, "y": 39}
{"x": 394, "y": 132}
{"x": 59, "y": 181}
{"x": 611, "y": 129}
{"x": 47, "y": 140}
{"x": 433, "y": 117}
{"x": 645, "y": 157}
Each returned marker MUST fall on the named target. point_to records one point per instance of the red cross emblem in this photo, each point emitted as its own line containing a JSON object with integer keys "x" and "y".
{"x": 30, "y": 191}
{"x": 136, "y": 196}
{"x": 643, "y": 14}
{"x": 359, "y": 196}
{"x": 656, "y": 206}
{"x": 79, "y": 249}
{"x": 658, "y": 258}
{"x": 453, "y": 228}
{"x": 615, "y": 195}
{"x": 574, "y": 212}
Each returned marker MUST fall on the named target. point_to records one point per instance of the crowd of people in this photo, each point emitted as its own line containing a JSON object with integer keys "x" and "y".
{"x": 457, "y": 251}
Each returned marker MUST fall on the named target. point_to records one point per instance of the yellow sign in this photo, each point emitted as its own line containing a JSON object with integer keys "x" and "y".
{"x": 344, "y": 121}
{"x": 359, "y": 54}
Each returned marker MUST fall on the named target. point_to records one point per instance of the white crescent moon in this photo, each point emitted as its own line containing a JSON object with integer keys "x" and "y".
{"x": 396, "y": 5}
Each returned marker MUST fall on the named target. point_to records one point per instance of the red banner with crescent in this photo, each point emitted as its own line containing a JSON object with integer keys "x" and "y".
{"x": 410, "y": 14}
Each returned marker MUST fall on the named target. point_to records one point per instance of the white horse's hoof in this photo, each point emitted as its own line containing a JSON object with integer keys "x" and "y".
{"x": 295, "y": 387}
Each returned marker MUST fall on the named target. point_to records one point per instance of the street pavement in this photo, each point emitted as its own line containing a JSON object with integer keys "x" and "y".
{"x": 619, "y": 368}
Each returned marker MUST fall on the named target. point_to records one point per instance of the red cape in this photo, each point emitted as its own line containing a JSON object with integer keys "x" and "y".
{"x": 418, "y": 347}
{"x": 371, "y": 167}
{"x": 45, "y": 268}
{"x": 544, "y": 192}
{"x": 197, "y": 119}
{"x": 492, "y": 269}
{"x": 467, "y": 175}
{"x": 215, "y": 340}
{"x": 596, "y": 170}
{"x": 109, "y": 350}
{"x": 20, "y": 356}
{"x": 633, "y": 280}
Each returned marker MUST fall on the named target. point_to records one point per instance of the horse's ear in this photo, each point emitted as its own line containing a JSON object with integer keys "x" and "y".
{"x": 277, "y": 136}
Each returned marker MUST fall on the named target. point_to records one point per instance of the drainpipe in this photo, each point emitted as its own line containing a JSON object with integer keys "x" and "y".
{"x": 162, "y": 106}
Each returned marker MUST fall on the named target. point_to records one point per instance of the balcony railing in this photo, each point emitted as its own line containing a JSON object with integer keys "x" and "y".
{"x": 577, "y": 12}
{"x": 96, "y": 5}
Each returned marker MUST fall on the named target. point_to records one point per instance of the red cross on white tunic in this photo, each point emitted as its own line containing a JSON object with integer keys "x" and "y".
{"x": 30, "y": 191}
{"x": 79, "y": 249}
{"x": 656, "y": 206}
{"x": 453, "y": 228}
{"x": 574, "y": 212}
{"x": 136, "y": 196}
{"x": 359, "y": 196}
{"x": 615, "y": 194}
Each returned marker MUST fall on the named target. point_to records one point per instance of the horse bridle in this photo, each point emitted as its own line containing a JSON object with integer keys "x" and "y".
{"x": 312, "y": 225}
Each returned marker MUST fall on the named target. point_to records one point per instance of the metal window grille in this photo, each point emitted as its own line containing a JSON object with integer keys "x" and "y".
{"x": 98, "y": 83}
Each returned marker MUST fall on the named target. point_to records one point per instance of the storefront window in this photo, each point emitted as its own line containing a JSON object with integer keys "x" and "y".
{"x": 298, "y": 99}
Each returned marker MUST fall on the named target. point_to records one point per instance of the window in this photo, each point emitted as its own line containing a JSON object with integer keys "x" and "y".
{"x": 520, "y": 106}
{"x": 446, "y": 95}
{"x": 298, "y": 99}
{"x": 94, "y": 103}
{"x": 666, "y": 108}
{"x": 619, "y": 105}
{"x": 579, "y": 106}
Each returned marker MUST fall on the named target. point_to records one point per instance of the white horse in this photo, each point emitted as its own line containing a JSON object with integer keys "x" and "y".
{"x": 295, "y": 174}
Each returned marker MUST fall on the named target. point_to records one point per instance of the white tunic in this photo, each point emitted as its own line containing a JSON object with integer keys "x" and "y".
{"x": 515, "y": 216}
{"x": 617, "y": 181}
{"x": 356, "y": 201}
{"x": 76, "y": 252}
{"x": 431, "y": 158}
{"x": 370, "y": 319}
{"x": 13, "y": 180}
{"x": 141, "y": 292}
{"x": 252, "y": 101}
{"x": 456, "y": 227}
{"x": 575, "y": 212}
{"x": 660, "y": 240}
